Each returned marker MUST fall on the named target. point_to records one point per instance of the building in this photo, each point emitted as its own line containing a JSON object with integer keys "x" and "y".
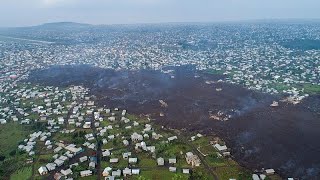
{"x": 85, "y": 173}
{"x": 221, "y": 148}
{"x": 160, "y": 161}
{"x": 133, "y": 160}
{"x": 185, "y": 171}
{"x": 172, "y": 169}
{"x": 270, "y": 171}
{"x": 192, "y": 159}
{"x": 43, "y": 170}
{"x": 106, "y": 171}
{"x": 172, "y": 160}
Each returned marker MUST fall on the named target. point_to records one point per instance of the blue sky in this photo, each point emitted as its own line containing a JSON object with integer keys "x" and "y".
{"x": 33, "y": 12}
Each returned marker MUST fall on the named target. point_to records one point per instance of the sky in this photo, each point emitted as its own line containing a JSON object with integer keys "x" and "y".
{"x": 34, "y": 12}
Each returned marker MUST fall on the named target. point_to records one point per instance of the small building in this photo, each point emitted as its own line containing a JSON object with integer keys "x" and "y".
{"x": 173, "y": 169}
{"x": 160, "y": 161}
{"x": 92, "y": 165}
{"x": 135, "y": 171}
{"x": 125, "y": 142}
{"x": 185, "y": 171}
{"x": 116, "y": 173}
{"x": 192, "y": 159}
{"x": 126, "y": 172}
{"x": 220, "y": 148}
{"x": 66, "y": 172}
{"x": 133, "y": 160}
{"x": 85, "y": 173}
{"x": 255, "y": 177}
{"x": 114, "y": 160}
{"x": 270, "y": 171}
{"x": 172, "y": 138}
{"x": 43, "y": 170}
{"x": 51, "y": 166}
{"x": 83, "y": 159}
{"x": 58, "y": 162}
{"x": 172, "y": 160}
{"x": 106, "y": 153}
{"x": 106, "y": 171}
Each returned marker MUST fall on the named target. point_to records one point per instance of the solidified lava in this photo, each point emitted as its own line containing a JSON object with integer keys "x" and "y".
{"x": 284, "y": 138}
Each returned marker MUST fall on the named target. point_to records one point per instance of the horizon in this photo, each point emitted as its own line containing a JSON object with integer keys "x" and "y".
{"x": 284, "y": 20}
{"x": 15, "y": 13}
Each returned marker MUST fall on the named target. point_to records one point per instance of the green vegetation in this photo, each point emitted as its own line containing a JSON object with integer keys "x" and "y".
{"x": 24, "y": 173}
{"x": 235, "y": 172}
{"x": 311, "y": 89}
{"x": 280, "y": 87}
{"x": 161, "y": 173}
{"x": 10, "y": 136}
{"x": 214, "y": 71}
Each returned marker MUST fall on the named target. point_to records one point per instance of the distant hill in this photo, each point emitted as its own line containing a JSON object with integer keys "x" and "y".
{"x": 64, "y": 25}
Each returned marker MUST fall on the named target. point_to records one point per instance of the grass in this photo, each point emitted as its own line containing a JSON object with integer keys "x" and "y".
{"x": 280, "y": 87}
{"x": 10, "y": 136}
{"x": 160, "y": 174}
{"x": 215, "y": 161}
{"x": 145, "y": 161}
{"x": 214, "y": 71}
{"x": 24, "y": 173}
{"x": 235, "y": 172}
{"x": 311, "y": 89}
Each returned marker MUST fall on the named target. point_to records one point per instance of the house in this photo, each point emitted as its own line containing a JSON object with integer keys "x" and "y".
{"x": 126, "y": 172}
{"x": 51, "y": 166}
{"x": 116, "y": 173}
{"x": 160, "y": 161}
{"x": 136, "y": 137}
{"x": 126, "y": 155}
{"x": 123, "y": 112}
{"x": 220, "y": 148}
{"x": 172, "y": 160}
{"x": 255, "y": 177}
{"x": 66, "y": 172}
{"x": 60, "y": 120}
{"x": 125, "y": 142}
{"x": 111, "y": 118}
{"x": 58, "y": 162}
{"x": 3, "y": 121}
{"x": 92, "y": 165}
{"x": 135, "y": 171}
{"x": 172, "y": 169}
{"x": 57, "y": 149}
{"x": 43, "y": 170}
{"x": 269, "y": 171}
{"x": 172, "y": 138}
{"x": 114, "y": 160}
{"x": 185, "y": 171}
{"x": 58, "y": 176}
{"x": 106, "y": 153}
{"x": 106, "y": 171}
{"x": 85, "y": 173}
{"x": 83, "y": 159}
{"x": 133, "y": 160}
{"x": 192, "y": 159}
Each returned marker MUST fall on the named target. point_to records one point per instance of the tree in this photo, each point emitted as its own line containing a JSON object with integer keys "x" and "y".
{"x": 12, "y": 153}
{"x": 2, "y": 158}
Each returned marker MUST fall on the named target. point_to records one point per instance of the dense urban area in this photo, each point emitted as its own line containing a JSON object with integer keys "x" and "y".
{"x": 49, "y": 132}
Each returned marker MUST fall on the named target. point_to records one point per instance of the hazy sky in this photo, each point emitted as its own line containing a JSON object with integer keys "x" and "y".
{"x": 32, "y": 12}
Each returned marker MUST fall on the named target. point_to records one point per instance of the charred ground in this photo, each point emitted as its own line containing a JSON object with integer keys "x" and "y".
{"x": 284, "y": 138}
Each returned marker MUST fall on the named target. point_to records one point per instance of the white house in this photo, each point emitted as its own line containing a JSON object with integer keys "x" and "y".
{"x": 160, "y": 161}
{"x": 43, "y": 170}
{"x": 85, "y": 173}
